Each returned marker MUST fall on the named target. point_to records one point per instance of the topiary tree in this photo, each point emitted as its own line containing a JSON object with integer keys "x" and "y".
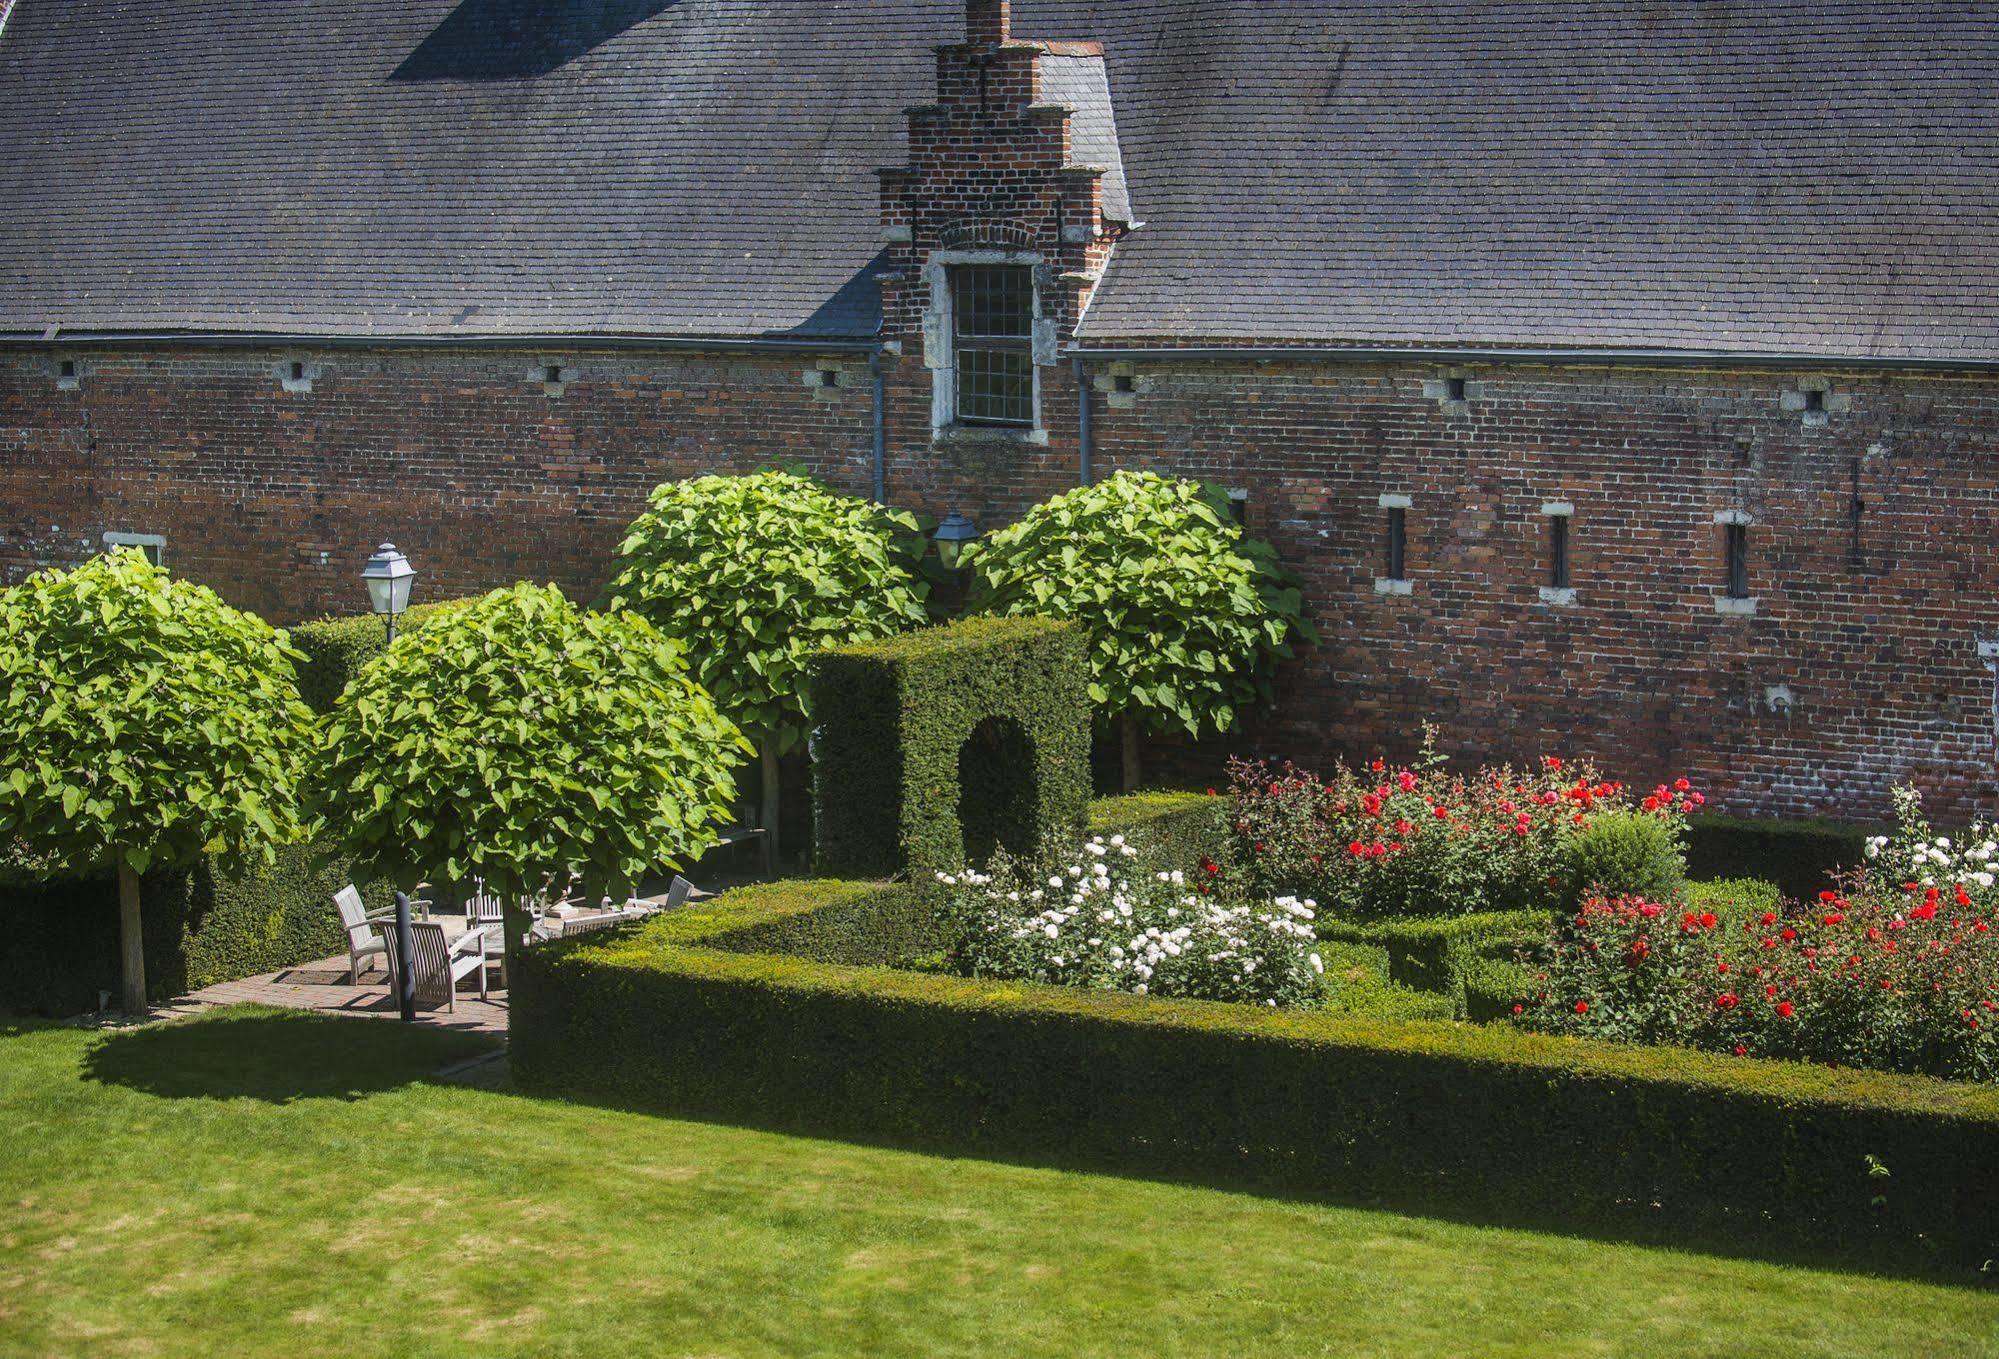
{"x": 143, "y": 723}
{"x": 755, "y": 575}
{"x": 1186, "y": 616}
{"x": 521, "y": 739}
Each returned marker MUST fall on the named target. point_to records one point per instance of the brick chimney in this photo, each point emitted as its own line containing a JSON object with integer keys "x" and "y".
{"x": 988, "y": 23}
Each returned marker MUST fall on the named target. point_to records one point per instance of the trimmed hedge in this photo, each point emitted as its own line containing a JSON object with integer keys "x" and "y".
{"x": 1439, "y": 953}
{"x": 1171, "y": 829}
{"x": 940, "y": 746}
{"x": 335, "y": 648}
{"x": 59, "y": 939}
{"x": 1476, "y": 1120}
{"x": 1799, "y": 856}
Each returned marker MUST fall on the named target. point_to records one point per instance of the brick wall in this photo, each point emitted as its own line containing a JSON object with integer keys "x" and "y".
{"x": 480, "y": 471}
{"x": 1871, "y": 622}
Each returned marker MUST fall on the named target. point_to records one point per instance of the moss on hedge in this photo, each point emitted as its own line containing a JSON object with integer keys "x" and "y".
{"x": 675, "y": 1016}
{"x": 937, "y": 747}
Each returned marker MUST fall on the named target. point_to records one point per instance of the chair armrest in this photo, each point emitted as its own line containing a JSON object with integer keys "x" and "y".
{"x": 465, "y": 943}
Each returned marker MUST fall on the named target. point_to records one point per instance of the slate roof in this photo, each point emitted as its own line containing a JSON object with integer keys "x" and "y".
{"x": 1083, "y": 84}
{"x": 1692, "y": 174}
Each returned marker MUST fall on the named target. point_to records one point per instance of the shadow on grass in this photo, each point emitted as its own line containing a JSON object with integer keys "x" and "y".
{"x": 277, "y": 1056}
{"x": 1730, "y": 1236}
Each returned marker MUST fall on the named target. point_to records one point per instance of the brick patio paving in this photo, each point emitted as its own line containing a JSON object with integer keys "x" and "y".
{"x": 324, "y": 986}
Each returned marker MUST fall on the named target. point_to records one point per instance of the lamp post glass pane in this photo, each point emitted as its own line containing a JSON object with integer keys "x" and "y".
{"x": 389, "y": 577}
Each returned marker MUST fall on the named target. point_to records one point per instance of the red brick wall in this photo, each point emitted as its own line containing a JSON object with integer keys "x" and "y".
{"x": 276, "y": 497}
{"x": 1870, "y": 621}
{"x": 462, "y": 459}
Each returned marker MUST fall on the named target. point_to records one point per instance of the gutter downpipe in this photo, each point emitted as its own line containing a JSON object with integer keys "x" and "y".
{"x": 1565, "y": 358}
{"x": 1085, "y": 449}
{"x": 880, "y": 464}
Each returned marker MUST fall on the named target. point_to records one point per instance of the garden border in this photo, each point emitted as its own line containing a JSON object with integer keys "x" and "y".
{"x": 774, "y": 1006}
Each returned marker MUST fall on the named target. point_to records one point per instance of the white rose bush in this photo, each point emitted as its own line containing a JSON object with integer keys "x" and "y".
{"x": 1101, "y": 922}
{"x": 1917, "y": 854}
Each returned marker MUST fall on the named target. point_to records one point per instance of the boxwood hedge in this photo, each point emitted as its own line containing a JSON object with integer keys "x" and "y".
{"x": 939, "y": 746}
{"x": 59, "y": 939}
{"x": 778, "y": 1006}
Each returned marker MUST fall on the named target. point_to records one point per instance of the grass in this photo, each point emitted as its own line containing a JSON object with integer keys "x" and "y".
{"x": 263, "y": 1182}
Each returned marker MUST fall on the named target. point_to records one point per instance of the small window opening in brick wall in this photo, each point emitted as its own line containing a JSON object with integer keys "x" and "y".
{"x": 1395, "y": 554}
{"x": 1738, "y": 560}
{"x": 551, "y": 373}
{"x": 1123, "y": 382}
{"x": 68, "y": 369}
{"x": 298, "y": 371}
{"x": 1454, "y": 389}
{"x": 829, "y": 377}
{"x": 1558, "y": 551}
{"x": 1239, "y": 506}
{"x": 1815, "y": 399}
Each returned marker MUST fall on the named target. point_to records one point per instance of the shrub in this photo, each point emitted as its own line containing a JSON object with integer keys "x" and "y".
{"x": 1441, "y": 953}
{"x": 525, "y": 741}
{"x": 1097, "y": 923}
{"x": 143, "y": 723}
{"x": 1622, "y": 853}
{"x": 1185, "y": 616}
{"x": 1801, "y": 857}
{"x": 1419, "y": 841}
{"x": 1897, "y": 980}
{"x": 1420, "y": 1116}
{"x": 335, "y": 649}
{"x": 1915, "y": 853}
{"x": 938, "y": 747}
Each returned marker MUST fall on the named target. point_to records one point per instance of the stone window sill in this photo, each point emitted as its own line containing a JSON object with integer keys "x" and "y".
{"x": 1384, "y": 585}
{"x": 990, "y": 434}
{"x": 1560, "y": 598}
{"x": 1735, "y": 608}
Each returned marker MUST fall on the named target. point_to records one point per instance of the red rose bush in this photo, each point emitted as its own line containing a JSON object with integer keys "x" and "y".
{"x": 1904, "y": 978}
{"x": 1415, "y": 840}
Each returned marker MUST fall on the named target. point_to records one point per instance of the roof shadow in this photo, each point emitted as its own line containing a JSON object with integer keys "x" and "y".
{"x": 853, "y": 311}
{"x": 520, "y": 39}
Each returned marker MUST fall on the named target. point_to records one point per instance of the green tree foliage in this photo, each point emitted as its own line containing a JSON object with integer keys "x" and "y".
{"x": 524, "y": 740}
{"x": 1186, "y": 616}
{"x": 755, "y": 574}
{"x": 143, "y": 722}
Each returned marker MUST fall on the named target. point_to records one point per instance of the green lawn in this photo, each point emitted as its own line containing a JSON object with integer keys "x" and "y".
{"x": 289, "y": 1184}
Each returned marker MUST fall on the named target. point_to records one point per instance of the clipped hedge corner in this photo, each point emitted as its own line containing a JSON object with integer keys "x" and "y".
{"x": 937, "y": 747}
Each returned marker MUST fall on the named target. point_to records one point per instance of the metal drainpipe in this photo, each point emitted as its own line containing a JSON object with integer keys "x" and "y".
{"x": 881, "y": 426}
{"x": 1085, "y": 453}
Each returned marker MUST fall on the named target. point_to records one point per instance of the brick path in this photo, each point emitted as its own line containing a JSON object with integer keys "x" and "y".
{"x": 323, "y": 986}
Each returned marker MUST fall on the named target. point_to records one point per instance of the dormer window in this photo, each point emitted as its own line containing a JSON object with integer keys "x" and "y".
{"x": 992, "y": 334}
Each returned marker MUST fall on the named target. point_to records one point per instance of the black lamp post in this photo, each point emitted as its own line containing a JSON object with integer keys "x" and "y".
{"x": 389, "y": 577}
{"x": 952, "y": 537}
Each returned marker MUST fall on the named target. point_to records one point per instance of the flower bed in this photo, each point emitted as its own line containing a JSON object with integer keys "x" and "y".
{"x": 1101, "y": 923}
{"x": 1390, "y": 841}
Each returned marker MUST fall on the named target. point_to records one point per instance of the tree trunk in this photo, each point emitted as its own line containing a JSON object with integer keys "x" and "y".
{"x": 1128, "y": 729}
{"x": 769, "y": 816}
{"x": 516, "y": 921}
{"x": 131, "y": 939}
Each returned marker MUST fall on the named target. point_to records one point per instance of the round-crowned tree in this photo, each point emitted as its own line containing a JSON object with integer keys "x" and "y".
{"x": 1186, "y": 616}
{"x": 756, "y": 573}
{"x": 143, "y": 723}
{"x": 523, "y": 740}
